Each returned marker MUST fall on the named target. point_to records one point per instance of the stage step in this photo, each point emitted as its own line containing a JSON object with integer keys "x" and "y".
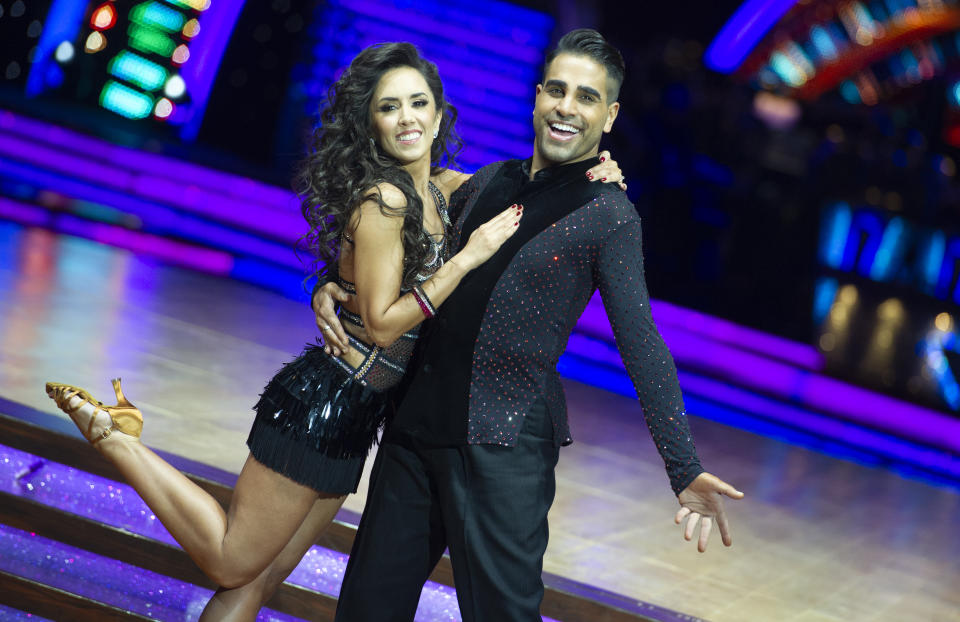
{"x": 59, "y": 493}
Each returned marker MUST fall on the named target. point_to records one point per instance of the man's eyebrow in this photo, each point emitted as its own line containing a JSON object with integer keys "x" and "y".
{"x": 556, "y": 82}
{"x": 590, "y": 91}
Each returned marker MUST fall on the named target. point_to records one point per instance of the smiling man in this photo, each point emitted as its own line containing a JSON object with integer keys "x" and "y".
{"x": 468, "y": 460}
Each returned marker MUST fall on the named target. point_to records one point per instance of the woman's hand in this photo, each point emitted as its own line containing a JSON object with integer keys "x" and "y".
{"x": 608, "y": 171}
{"x": 489, "y": 237}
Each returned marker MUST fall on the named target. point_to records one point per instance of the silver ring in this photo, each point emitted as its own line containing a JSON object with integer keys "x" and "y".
{"x": 325, "y": 327}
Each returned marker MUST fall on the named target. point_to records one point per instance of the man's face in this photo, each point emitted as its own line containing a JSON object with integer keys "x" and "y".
{"x": 571, "y": 111}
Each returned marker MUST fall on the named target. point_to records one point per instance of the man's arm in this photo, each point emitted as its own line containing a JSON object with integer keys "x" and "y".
{"x": 623, "y": 288}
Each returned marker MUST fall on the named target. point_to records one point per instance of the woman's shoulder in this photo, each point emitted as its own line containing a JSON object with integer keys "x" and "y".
{"x": 448, "y": 180}
{"x": 387, "y": 192}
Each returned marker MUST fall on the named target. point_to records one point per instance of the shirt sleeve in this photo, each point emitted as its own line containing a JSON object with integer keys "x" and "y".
{"x": 620, "y": 278}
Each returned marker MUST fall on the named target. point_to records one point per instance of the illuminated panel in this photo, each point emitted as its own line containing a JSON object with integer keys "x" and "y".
{"x": 150, "y": 40}
{"x": 125, "y": 101}
{"x": 489, "y": 56}
{"x": 147, "y": 43}
{"x": 159, "y": 16}
{"x": 137, "y": 70}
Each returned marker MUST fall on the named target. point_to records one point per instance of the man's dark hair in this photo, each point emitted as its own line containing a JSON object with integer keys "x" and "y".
{"x": 590, "y": 43}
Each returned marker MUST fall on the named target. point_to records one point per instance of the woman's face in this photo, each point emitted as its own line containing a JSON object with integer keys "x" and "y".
{"x": 404, "y": 115}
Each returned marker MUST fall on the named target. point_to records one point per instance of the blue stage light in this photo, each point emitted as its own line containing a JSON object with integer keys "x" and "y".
{"x": 743, "y": 31}
{"x": 823, "y": 42}
{"x": 833, "y": 237}
{"x": 891, "y": 247}
{"x": 825, "y": 292}
{"x": 62, "y": 23}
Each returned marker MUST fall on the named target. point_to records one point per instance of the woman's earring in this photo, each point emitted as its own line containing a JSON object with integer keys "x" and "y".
{"x": 436, "y": 132}
{"x": 373, "y": 143}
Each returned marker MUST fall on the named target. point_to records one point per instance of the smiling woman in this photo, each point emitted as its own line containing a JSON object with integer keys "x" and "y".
{"x": 403, "y": 111}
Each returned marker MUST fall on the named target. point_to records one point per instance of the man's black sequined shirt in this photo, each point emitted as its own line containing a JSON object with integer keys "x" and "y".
{"x": 493, "y": 348}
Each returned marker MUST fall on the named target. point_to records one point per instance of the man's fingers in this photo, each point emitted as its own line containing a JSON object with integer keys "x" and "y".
{"x": 678, "y": 518}
{"x": 691, "y": 526}
{"x": 341, "y": 295}
{"x": 730, "y": 491}
{"x": 724, "y": 526}
{"x": 706, "y": 524}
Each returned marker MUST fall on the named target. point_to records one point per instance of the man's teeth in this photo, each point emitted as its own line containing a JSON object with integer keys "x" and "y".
{"x": 563, "y": 127}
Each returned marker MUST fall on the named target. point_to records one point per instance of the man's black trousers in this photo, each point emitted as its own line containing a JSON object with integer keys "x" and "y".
{"x": 487, "y": 503}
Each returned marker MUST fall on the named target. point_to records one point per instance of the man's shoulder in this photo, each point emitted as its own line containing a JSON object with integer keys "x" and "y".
{"x": 485, "y": 173}
{"x": 477, "y": 182}
{"x": 612, "y": 202}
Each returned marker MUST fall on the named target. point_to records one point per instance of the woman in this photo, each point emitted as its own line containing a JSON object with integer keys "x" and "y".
{"x": 375, "y": 201}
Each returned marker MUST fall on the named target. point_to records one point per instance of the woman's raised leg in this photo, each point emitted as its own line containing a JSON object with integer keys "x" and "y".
{"x": 233, "y": 547}
{"x": 242, "y": 603}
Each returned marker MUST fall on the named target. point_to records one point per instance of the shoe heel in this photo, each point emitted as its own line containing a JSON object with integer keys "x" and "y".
{"x": 121, "y": 400}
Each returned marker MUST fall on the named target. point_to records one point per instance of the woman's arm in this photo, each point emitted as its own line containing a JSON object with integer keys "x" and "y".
{"x": 378, "y": 266}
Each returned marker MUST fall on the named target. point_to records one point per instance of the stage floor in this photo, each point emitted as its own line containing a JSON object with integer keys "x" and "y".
{"x": 817, "y": 539}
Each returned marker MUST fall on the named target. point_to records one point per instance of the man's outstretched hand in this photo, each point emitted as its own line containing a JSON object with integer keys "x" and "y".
{"x": 702, "y": 501}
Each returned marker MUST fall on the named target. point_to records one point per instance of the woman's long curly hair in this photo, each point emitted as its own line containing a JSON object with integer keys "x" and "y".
{"x": 343, "y": 165}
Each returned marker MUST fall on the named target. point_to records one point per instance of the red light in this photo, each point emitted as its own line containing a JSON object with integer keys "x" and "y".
{"x": 104, "y": 18}
{"x": 953, "y": 135}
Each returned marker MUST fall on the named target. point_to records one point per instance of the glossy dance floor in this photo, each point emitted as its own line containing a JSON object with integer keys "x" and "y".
{"x": 817, "y": 539}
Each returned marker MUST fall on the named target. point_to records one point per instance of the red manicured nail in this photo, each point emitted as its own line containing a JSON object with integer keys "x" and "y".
{"x": 603, "y": 179}
{"x": 589, "y": 175}
{"x": 603, "y": 159}
{"x": 516, "y": 224}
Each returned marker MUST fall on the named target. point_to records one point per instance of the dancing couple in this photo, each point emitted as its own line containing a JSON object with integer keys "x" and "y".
{"x": 468, "y": 454}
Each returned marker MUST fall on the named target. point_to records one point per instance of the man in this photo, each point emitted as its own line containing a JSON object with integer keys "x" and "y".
{"x": 468, "y": 460}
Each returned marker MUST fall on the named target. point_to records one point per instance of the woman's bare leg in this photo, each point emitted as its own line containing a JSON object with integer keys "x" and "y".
{"x": 231, "y": 548}
{"x": 244, "y": 602}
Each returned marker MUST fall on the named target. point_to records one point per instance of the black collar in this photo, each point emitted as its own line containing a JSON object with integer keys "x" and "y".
{"x": 521, "y": 169}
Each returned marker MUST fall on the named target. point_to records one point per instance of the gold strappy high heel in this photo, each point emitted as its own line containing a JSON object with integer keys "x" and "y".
{"x": 124, "y": 416}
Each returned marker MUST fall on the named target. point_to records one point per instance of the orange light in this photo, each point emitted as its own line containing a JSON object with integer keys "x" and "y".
{"x": 95, "y": 42}
{"x": 181, "y": 54}
{"x": 191, "y": 29}
{"x": 163, "y": 109}
{"x": 104, "y": 17}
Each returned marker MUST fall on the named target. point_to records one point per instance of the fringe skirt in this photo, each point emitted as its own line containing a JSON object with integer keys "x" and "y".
{"x": 316, "y": 424}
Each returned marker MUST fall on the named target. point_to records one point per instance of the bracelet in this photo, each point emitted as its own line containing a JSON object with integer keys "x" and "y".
{"x": 425, "y": 305}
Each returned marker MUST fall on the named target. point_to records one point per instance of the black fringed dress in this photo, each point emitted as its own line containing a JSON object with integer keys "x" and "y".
{"x": 318, "y": 417}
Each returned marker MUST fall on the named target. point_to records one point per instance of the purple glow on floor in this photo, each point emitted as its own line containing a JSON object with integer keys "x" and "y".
{"x": 8, "y": 614}
{"x": 161, "y": 166}
{"x": 111, "y": 503}
{"x": 78, "y": 492}
{"x": 176, "y": 253}
{"x": 106, "y": 580}
{"x": 155, "y": 218}
{"x": 671, "y": 318}
{"x": 285, "y": 226}
{"x": 701, "y": 353}
{"x": 24, "y": 214}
